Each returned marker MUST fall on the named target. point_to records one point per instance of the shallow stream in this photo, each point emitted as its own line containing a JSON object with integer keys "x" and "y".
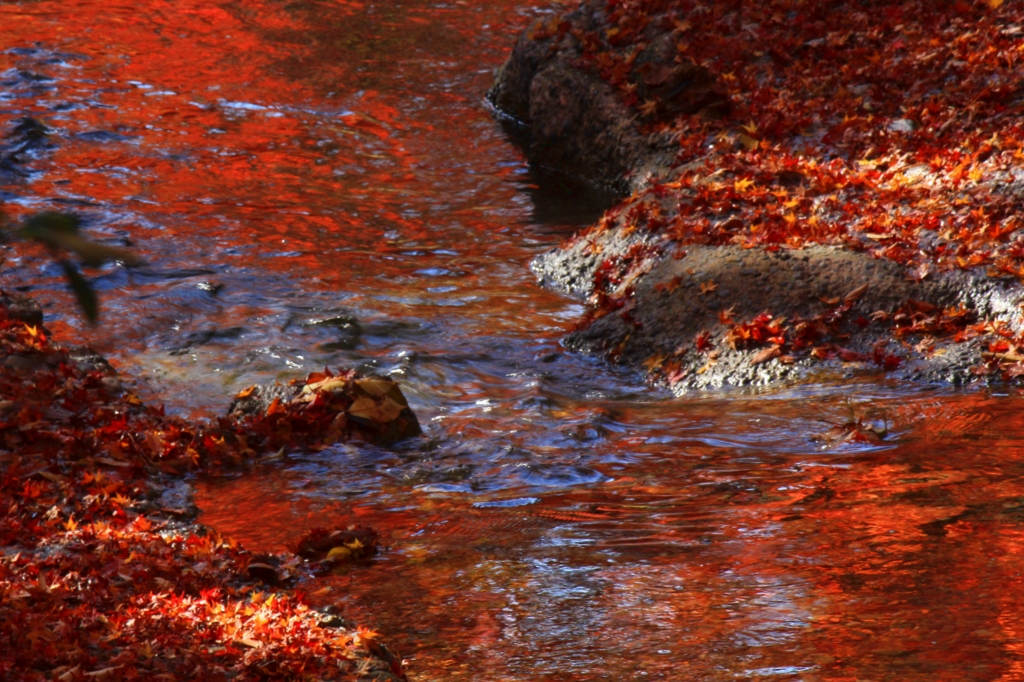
{"x": 319, "y": 182}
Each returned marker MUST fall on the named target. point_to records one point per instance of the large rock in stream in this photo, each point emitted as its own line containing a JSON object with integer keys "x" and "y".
{"x": 790, "y": 211}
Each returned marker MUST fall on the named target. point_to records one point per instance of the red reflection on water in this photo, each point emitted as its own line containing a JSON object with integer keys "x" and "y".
{"x": 897, "y": 563}
{"x": 340, "y": 148}
{"x": 286, "y": 130}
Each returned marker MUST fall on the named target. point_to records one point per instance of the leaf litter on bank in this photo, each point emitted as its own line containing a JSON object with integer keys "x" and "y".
{"x": 890, "y": 129}
{"x": 98, "y": 580}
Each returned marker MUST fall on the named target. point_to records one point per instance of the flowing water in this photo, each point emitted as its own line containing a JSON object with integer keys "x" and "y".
{"x": 320, "y": 182}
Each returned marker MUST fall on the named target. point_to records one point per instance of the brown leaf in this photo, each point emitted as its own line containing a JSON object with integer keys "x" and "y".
{"x": 854, "y": 295}
{"x": 747, "y": 141}
{"x": 112, "y": 462}
{"x": 375, "y": 387}
{"x": 920, "y": 272}
{"x": 153, "y": 442}
{"x": 765, "y": 355}
{"x": 365, "y": 408}
{"x": 395, "y": 394}
{"x": 337, "y": 427}
{"x": 658, "y": 75}
{"x": 328, "y": 385}
{"x": 922, "y": 306}
{"x": 389, "y": 410}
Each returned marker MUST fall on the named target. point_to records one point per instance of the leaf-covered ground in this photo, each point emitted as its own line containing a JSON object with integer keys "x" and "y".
{"x": 102, "y": 577}
{"x": 892, "y": 129}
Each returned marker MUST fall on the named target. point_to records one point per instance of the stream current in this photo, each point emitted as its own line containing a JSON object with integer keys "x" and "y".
{"x": 319, "y": 182}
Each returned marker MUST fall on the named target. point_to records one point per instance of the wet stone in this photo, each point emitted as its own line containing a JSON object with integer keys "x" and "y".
{"x": 22, "y": 308}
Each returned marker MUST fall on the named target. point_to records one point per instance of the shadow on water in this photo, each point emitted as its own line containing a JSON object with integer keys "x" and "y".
{"x": 561, "y": 202}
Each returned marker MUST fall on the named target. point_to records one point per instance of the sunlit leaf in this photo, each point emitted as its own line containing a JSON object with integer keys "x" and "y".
{"x": 365, "y": 408}
{"x": 331, "y": 384}
{"x": 389, "y": 410}
{"x": 748, "y": 142}
{"x": 341, "y": 552}
{"x": 375, "y": 387}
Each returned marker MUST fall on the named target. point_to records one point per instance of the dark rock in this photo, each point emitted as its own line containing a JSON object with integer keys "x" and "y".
{"x": 27, "y": 311}
{"x": 22, "y": 308}
{"x": 681, "y": 87}
{"x": 572, "y": 120}
{"x": 88, "y": 360}
{"x": 349, "y": 332}
{"x": 28, "y": 132}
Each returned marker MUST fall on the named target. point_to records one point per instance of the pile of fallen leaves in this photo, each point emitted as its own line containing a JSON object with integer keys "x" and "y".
{"x": 324, "y": 408}
{"x": 131, "y": 602}
{"x": 97, "y": 579}
{"x": 887, "y": 127}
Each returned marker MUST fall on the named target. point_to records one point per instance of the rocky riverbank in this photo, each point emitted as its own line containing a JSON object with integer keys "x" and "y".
{"x": 104, "y": 573}
{"x": 809, "y": 191}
